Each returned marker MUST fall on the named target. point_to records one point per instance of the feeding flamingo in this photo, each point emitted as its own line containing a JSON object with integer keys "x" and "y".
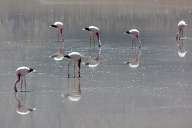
{"x": 21, "y": 73}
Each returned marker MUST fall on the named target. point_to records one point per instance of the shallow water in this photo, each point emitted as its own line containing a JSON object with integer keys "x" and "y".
{"x": 156, "y": 94}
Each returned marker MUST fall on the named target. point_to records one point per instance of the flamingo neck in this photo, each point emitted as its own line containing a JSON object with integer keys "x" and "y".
{"x": 98, "y": 38}
{"x": 61, "y": 34}
{"x": 97, "y": 34}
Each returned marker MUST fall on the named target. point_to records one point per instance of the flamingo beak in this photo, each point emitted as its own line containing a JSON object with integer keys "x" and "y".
{"x": 86, "y": 29}
{"x": 32, "y": 70}
{"x": 53, "y": 26}
{"x": 126, "y": 33}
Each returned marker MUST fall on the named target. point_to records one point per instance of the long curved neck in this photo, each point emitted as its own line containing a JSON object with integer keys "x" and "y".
{"x": 16, "y": 82}
{"x": 61, "y": 39}
{"x": 98, "y": 38}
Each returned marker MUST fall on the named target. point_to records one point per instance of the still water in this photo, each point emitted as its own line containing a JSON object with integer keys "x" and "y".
{"x": 156, "y": 94}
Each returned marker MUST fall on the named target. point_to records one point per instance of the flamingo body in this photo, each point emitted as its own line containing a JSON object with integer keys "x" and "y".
{"x": 23, "y": 70}
{"x": 57, "y": 24}
{"x": 75, "y": 56}
{"x": 134, "y": 32}
{"x": 182, "y": 23}
{"x": 94, "y": 28}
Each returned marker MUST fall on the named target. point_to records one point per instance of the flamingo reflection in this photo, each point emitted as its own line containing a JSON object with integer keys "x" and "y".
{"x": 22, "y": 108}
{"x": 74, "y": 90}
{"x": 93, "y": 61}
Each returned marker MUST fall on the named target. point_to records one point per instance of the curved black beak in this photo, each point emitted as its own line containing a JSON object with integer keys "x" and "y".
{"x": 31, "y": 70}
{"x": 54, "y": 26}
{"x": 127, "y": 32}
{"x": 67, "y": 56}
{"x": 86, "y": 28}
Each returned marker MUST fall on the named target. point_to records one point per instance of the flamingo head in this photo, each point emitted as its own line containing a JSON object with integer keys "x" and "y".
{"x": 31, "y": 70}
{"x": 54, "y": 26}
{"x": 127, "y": 33}
{"x": 86, "y": 29}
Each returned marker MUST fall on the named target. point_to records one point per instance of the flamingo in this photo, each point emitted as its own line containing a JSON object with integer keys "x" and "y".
{"x": 74, "y": 57}
{"x": 135, "y": 38}
{"x": 135, "y": 35}
{"x": 21, "y": 72}
{"x": 59, "y": 55}
{"x": 94, "y": 32}
{"x": 180, "y": 37}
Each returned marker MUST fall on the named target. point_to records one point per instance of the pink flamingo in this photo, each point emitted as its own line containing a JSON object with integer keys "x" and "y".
{"x": 94, "y": 32}
{"x": 74, "y": 57}
{"x": 21, "y": 72}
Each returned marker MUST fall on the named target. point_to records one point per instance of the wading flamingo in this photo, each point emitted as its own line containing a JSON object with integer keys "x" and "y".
{"x": 60, "y": 38}
{"x": 93, "y": 32}
{"x": 75, "y": 58}
{"x": 21, "y": 72}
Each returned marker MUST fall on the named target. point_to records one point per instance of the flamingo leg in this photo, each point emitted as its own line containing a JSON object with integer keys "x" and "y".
{"x": 74, "y": 66}
{"x": 94, "y": 39}
{"x": 68, "y": 70}
{"x": 99, "y": 43}
{"x": 25, "y": 83}
{"x": 90, "y": 40}
{"x": 58, "y": 35}
{"x": 62, "y": 41}
{"x": 79, "y": 67}
{"x": 139, "y": 43}
{"x": 21, "y": 83}
{"x": 181, "y": 46}
{"x": 17, "y": 81}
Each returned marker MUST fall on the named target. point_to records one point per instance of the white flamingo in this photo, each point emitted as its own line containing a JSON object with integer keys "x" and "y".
{"x": 135, "y": 38}
{"x": 75, "y": 58}
{"x": 21, "y": 72}
{"x": 94, "y": 32}
{"x": 180, "y": 37}
{"x": 135, "y": 35}
{"x": 60, "y": 54}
